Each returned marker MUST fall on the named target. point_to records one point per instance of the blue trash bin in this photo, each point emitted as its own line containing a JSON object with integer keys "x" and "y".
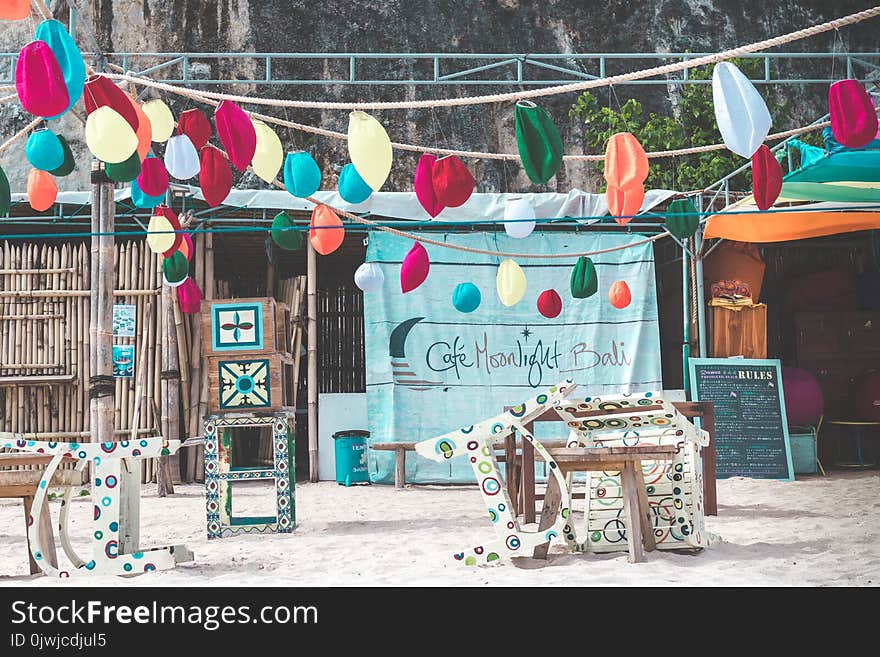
{"x": 351, "y": 457}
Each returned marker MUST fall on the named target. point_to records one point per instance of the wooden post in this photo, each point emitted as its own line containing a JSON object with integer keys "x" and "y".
{"x": 170, "y": 389}
{"x": 312, "y": 271}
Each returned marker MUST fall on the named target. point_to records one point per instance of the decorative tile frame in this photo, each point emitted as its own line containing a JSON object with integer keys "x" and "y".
{"x": 237, "y": 326}
{"x": 219, "y": 476}
{"x": 244, "y": 384}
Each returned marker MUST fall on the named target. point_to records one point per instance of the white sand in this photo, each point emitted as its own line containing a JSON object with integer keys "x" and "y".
{"x": 815, "y": 531}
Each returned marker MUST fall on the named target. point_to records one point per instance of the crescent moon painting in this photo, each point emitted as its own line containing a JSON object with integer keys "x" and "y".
{"x": 401, "y": 371}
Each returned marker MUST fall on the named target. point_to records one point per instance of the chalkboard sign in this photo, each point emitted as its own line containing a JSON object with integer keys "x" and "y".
{"x": 751, "y": 431}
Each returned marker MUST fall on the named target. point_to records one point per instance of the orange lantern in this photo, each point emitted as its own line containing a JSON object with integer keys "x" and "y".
{"x": 626, "y": 168}
{"x": 144, "y": 130}
{"x": 325, "y": 232}
{"x": 15, "y": 10}
{"x": 619, "y": 294}
{"x": 42, "y": 190}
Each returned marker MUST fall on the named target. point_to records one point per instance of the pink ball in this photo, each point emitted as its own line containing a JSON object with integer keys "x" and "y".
{"x": 804, "y": 402}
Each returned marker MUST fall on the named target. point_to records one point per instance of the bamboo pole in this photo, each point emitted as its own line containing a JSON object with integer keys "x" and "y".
{"x": 142, "y": 367}
{"x": 170, "y": 389}
{"x": 312, "y": 272}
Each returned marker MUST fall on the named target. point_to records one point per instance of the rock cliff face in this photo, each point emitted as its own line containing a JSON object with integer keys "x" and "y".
{"x": 512, "y": 26}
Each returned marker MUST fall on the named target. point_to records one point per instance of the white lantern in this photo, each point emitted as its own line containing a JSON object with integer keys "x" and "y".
{"x": 369, "y": 277}
{"x": 181, "y": 158}
{"x": 742, "y": 115}
{"x": 517, "y": 210}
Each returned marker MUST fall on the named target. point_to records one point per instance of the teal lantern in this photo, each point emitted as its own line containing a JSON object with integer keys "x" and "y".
{"x": 466, "y": 297}
{"x": 69, "y": 163}
{"x": 142, "y": 200}
{"x": 352, "y": 187}
{"x": 44, "y": 151}
{"x": 68, "y": 56}
{"x": 302, "y": 175}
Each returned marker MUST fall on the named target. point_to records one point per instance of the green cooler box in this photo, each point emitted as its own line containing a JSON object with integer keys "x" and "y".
{"x": 803, "y": 449}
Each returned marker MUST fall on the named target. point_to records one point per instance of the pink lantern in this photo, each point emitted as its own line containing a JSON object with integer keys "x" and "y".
{"x": 414, "y": 269}
{"x": 237, "y": 134}
{"x": 153, "y": 178}
{"x": 190, "y": 296}
{"x": 766, "y": 178}
{"x": 853, "y": 117}
{"x": 424, "y": 185}
{"x": 39, "y": 81}
{"x": 100, "y": 91}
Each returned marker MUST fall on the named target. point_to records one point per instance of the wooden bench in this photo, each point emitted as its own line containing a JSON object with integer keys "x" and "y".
{"x": 24, "y": 484}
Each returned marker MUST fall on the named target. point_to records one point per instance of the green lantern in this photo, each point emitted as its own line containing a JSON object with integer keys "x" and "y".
{"x": 538, "y": 141}
{"x": 584, "y": 281}
{"x": 5, "y": 196}
{"x": 69, "y": 163}
{"x": 682, "y": 218}
{"x": 125, "y": 171}
{"x": 284, "y": 235}
{"x": 175, "y": 268}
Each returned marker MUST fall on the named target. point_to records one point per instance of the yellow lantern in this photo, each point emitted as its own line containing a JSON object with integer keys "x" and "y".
{"x": 161, "y": 119}
{"x": 160, "y": 234}
{"x": 269, "y": 153}
{"x": 109, "y": 136}
{"x": 510, "y": 282}
{"x": 369, "y": 149}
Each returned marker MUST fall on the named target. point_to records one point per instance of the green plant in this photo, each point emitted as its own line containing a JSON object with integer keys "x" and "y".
{"x": 691, "y": 122}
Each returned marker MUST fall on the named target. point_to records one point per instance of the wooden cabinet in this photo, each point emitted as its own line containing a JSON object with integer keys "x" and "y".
{"x": 739, "y": 332}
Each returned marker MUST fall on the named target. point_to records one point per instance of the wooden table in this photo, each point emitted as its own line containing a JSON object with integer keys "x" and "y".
{"x": 856, "y": 428}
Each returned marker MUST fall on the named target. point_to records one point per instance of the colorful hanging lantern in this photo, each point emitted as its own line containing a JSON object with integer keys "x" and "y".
{"x": 624, "y": 202}
{"x": 39, "y": 82}
{"x": 5, "y": 193}
{"x": 43, "y": 150}
{"x": 325, "y": 230}
{"x": 41, "y": 189}
{"x": 285, "y": 234}
{"x": 766, "y": 178}
{"x": 414, "y": 269}
{"x": 466, "y": 297}
{"x": 626, "y": 168}
{"x": 141, "y": 200}
{"x": 109, "y": 136}
{"x": 584, "y": 281}
{"x": 101, "y": 92}
{"x": 236, "y": 133}
{"x": 126, "y": 171}
{"x": 181, "y": 158}
{"x": 186, "y": 246}
{"x": 352, "y": 187}
{"x": 189, "y": 296}
{"x": 453, "y": 182}
{"x": 161, "y": 119}
{"x": 15, "y": 10}
{"x": 853, "y": 116}
{"x": 369, "y": 277}
{"x": 215, "y": 176}
{"x": 69, "y": 163}
{"x": 175, "y": 269}
{"x": 519, "y": 218}
{"x": 268, "y": 152}
{"x": 538, "y": 142}
{"x": 194, "y": 124}
{"x": 302, "y": 175}
{"x": 153, "y": 178}
{"x": 510, "y": 281}
{"x": 682, "y": 218}
{"x": 549, "y": 304}
{"x": 369, "y": 149}
{"x": 144, "y": 130}
{"x": 68, "y": 56}
{"x": 163, "y": 234}
{"x": 741, "y": 114}
{"x": 619, "y": 294}
{"x": 423, "y": 183}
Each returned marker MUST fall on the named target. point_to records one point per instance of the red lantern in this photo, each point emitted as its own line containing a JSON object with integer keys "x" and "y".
{"x": 619, "y": 294}
{"x": 100, "y": 91}
{"x": 549, "y": 304}
{"x": 194, "y": 124}
{"x": 453, "y": 183}
{"x": 190, "y": 296}
{"x": 766, "y": 178}
{"x": 326, "y": 232}
{"x": 853, "y": 116}
{"x": 153, "y": 178}
{"x": 237, "y": 134}
{"x": 215, "y": 176}
{"x": 414, "y": 269}
{"x": 39, "y": 81}
{"x": 424, "y": 185}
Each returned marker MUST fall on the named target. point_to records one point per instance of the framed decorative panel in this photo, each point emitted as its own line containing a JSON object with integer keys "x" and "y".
{"x": 237, "y": 326}
{"x": 244, "y": 384}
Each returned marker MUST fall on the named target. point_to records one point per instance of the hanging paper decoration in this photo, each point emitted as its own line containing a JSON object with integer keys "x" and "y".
{"x": 853, "y": 116}
{"x": 626, "y": 168}
{"x": 153, "y": 179}
{"x": 39, "y": 81}
{"x": 414, "y": 269}
{"x": 69, "y": 163}
{"x": 162, "y": 231}
{"x": 5, "y": 193}
{"x": 194, "y": 124}
{"x": 584, "y": 281}
{"x": 268, "y": 152}
{"x": 68, "y": 56}
{"x": 101, "y": 92}
{"x": 144, "y": 130}
{"x": 510, "y": 282}
{"x": 181, "y": 158}
{"x": 189, "y": 296}
{"x": 352, "y": 187}
{"x": 186, "y": 246}
{"x": 215, "y": 176}
{"x": 325, "y": 230}
{"x": 766, "y": 178}
{"x": 175, "y": 269}
{"x": 741, "y": 114}
{"x": 43, "y": 150}
{"x": 619, "y": 294}
{"x": 285, "y": 234}
{"x": 41, "y": 189}
{"x": 369, "y": 277}
{"x": 466, "y": 297}
{"x": 549, "y": 304}
{"x": 302, "y": 175}
{"x": 141, "y": 200}
{"x": 161, "y": 119}
{"x": 15, "y": 10}
{"x": 126, "y": 171}
{"x": 682, "y": 218}
{"x": 538, "y": 142}
{"x": 236, "y": 133}
{"x": 423, "y": 183}
{"x": 109, "y": 136}
{"x": 453, "y": 183}
{"x": 519, "y": 218}
{"x": 369, "y": 149}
